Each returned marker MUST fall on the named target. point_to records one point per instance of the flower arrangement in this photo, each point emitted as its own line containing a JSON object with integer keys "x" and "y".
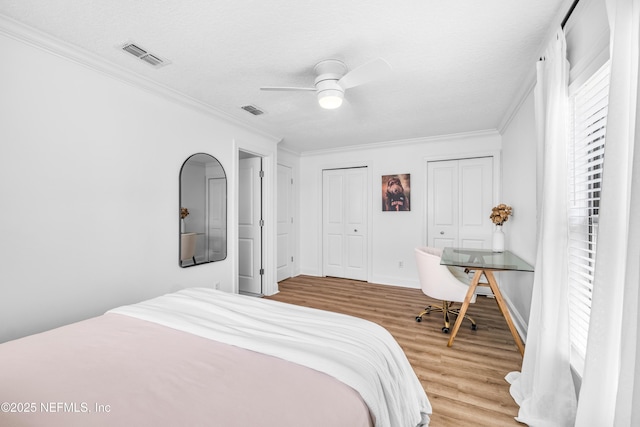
{"x": 500, "y": 214}
{"x": 184, "y": 212}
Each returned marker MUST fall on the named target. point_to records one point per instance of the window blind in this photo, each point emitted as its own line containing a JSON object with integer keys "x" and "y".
{"x": 586, "y": 158}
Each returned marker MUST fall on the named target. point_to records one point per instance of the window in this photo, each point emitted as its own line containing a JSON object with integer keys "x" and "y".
{"x": 589, "y": 106}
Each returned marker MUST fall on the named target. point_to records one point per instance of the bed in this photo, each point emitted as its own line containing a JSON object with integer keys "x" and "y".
{"x": 201, "y": 357}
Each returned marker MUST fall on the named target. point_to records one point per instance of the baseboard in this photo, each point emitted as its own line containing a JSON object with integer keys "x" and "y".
{"x": 309, "y": 272}
{"x": 518, "y": 320}
{"x": 395, "y": 281}
{"x": 378, "y": 280}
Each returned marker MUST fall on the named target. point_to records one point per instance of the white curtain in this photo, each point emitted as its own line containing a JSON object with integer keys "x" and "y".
{"x": 610, "y": 393}
{"x": 544, "y": 388}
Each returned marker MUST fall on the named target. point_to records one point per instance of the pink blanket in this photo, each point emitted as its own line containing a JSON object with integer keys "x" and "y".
{"x": 116, "y": 370}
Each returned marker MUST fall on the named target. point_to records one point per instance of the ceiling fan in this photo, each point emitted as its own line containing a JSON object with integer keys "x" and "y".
{"x": 333, "y": 79}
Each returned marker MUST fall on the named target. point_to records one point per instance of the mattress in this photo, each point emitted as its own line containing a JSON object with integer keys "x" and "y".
{"x": 206, "y": 358}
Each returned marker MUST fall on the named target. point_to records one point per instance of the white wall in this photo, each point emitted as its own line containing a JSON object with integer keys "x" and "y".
{"x": 587, "y": 35}
{"x": 393, "y": 235}
{"x": 89, "y": 169}
{"x": 519, "y": 146}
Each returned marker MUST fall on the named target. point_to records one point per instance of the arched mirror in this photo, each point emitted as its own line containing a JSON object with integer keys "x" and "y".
{"x": 203, "y": 211}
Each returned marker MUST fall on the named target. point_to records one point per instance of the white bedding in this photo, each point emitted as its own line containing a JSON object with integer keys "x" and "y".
{"x": 359, "y": 353}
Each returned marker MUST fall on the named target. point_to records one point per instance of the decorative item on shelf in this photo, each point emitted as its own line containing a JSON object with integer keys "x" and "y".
{"x": 184, "y": 212}
{"x": 499, "y": 215}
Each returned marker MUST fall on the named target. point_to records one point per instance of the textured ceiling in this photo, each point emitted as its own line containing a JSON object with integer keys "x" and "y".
{"x": 458, "y": 66}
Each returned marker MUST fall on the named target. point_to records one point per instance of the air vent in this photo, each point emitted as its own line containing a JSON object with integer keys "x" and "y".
{"x": 134, "y": 50}
{"x": 144, "y": 55}
{"x": 252, "y": 109}
{"x": 151, "y": 59}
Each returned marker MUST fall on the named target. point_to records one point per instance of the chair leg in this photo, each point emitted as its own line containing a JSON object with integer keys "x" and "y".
{"x": 427, "y": 310}
{"x": 446, "y": 312}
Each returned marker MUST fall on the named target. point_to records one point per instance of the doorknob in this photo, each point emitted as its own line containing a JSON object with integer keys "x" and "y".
{"x": 442, "y": 232}
{"x": 355, "y": 230}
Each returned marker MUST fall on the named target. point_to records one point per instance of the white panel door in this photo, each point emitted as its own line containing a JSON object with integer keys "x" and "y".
{"x": 476, "y": 198}
{"x": 217, "y": 219}
{"x": 344, "y": 195}
{"x": 459, "y": 201}
{"x": 333, "y": 222}
{"x": 249, "y": 230}
{"x": 442, "y": 203}
{"x": 285, "y": 223}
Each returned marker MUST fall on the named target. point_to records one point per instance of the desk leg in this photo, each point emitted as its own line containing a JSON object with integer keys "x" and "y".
{"x": 465, "y": 305}
{"x": 505, "y": 311}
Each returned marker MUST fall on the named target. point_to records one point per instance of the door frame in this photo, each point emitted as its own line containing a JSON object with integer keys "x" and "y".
{"x": 294, "y": 220}
{"x": 369, "y": 249}
{"x": 269, "y": 282}
{"x": 497, "y": 179}
{"x": 258, "y": 215}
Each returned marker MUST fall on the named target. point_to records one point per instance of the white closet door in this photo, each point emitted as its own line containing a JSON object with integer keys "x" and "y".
{"x": 476, "y": 199}
{"x": 442, "y": 203}
{"x": 459, "y": 202}
{"x": 285, "y": 223}
{"x": 344, "y": 195}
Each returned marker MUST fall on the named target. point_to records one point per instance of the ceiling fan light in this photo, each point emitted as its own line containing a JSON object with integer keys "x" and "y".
{"x": 330, "y": 99}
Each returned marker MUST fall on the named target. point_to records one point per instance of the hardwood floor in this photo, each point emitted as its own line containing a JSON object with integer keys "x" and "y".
{"x": 465, "y": 383}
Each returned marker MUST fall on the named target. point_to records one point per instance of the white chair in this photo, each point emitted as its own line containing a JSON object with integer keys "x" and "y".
{"x": 448, "y": 284}
{"x": 188, "y": 247}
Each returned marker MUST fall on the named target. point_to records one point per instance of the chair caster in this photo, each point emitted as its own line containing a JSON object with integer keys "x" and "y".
{"x": 418, "y": 319}
{"x": 445, "y": 330}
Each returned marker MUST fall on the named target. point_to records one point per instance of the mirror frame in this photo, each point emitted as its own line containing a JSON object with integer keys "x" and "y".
{"x": 181, "y": 234}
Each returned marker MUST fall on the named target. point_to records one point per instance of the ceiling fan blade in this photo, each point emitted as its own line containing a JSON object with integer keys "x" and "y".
{"x": 368, "y": 72}
{"x": 284, "y": 88}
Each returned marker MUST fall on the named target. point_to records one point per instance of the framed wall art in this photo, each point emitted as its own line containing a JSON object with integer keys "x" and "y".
{"x": 396, "y": 190}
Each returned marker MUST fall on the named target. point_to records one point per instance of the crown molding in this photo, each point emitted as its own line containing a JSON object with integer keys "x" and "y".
{"x": 526, "y": 88}
{"x": 405, "y": 142}
{"x": 288, "y": 150}
{"x": 43, "y": 41}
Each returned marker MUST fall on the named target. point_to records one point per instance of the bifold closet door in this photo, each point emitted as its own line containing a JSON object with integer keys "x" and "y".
{"x": 459, "y": 202}
{"x": 344, "y": 223}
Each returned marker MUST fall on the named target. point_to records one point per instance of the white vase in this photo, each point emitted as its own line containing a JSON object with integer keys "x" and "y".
{"x": 182, "y": 225}
{"x": 497, "y": 244}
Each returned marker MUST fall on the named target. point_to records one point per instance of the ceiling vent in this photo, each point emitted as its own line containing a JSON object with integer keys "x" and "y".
{"x": 144, "y": 55}
{"x": 252, "y": 109}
